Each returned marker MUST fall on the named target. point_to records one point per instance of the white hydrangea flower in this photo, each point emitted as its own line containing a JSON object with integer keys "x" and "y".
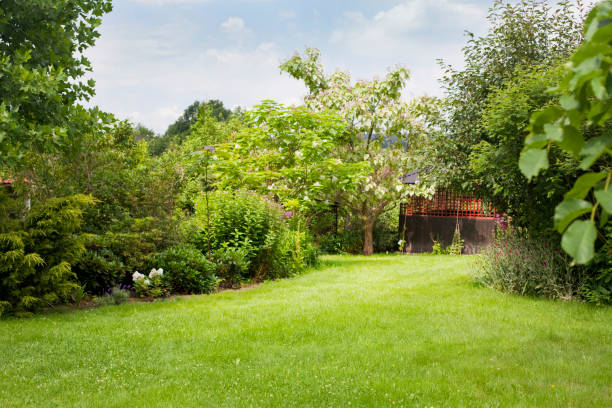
{"x": 156, "y": 272}
{"x": 137, "y": 276}
{"x": 146, "y": 282}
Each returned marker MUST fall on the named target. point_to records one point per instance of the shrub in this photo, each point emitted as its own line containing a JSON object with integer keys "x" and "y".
{"x": 241, "y": 220}
{"x": 456, "y": 245}
{"x": 517, "y": 263}
{"x": 343, "y": 242}
{"x": 598, "y": 288}
{"x": 438, "y": 248}
{"x": 36, "y": 257}
{"x": 232, "y": 265}
{"x": 112, "y": 256}
{"x": 295, "y": 252}
{"x": 186, "y": 269}
{"x": 114, "y": 296}
{"x": 151, "y": 286}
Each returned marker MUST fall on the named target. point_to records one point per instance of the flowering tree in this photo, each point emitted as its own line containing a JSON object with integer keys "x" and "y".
{"x": 381, "y": 130}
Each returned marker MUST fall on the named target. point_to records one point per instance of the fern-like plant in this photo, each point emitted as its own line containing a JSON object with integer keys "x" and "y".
{"x": 36, "y": 256}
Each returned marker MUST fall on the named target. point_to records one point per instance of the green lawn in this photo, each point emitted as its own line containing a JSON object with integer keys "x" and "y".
{"x": 382, "y": 331}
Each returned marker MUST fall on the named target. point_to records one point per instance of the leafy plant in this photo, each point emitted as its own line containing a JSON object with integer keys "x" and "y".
{"x": 232, "y": 265}
{"x": 456, "y": 245}
{"x": 519, "y": 263}
{"x": 36, "y": 258}
{"x": 579, "y": 126}
{"x": 151, "y": 286}
{"x": 114, "y": 296}
{"x": 186, "y": 269}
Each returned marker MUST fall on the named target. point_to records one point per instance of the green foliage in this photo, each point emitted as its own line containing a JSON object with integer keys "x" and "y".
{"x": 232, "y": 265}
{"x": 186, "y": 269}
{"x": 494, "y": 163}
{"x": 36, "y": 257}
{"x": 518, "y": 263}
{"x": 456, "y": 245}
{"x": 598, "y": 288}
{"x": 380, "y": 131}
{"x": 438, "y": 248}
{"x": 188, "y": 124}
{"x": 150, "y": 286}
{"x": 42, "y": 62}
{"x": 296, "y": 251}
{"x": 112, "y": 256}
{"x": 240, "y": 220}
{"x": 245, "y": 225}
{"x": 579, "y": 126}
{"x": 342, "y": 242}
{"x": 522, "y": 35}
{"x": 114, "y": 296}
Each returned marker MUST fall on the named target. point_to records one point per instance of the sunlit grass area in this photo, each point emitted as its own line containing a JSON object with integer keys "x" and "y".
{"x": 378, "y": 331}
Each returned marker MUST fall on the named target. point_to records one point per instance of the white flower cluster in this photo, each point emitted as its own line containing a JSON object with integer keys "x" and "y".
{"x": 156, "y": 272}
{"x": 137, "y": 276}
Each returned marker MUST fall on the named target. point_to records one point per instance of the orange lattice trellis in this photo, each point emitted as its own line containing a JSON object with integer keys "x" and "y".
{"x": 448, "y": 204}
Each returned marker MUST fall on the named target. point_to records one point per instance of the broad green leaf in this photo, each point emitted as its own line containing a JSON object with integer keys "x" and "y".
{"x": 568, "y": 102}
{"x": 572, "y": 141}
{"x": 604, "y": 197}
{"x": 583, "y": 185}
{"x": 595, "y": 148}
{"x": 579, "y": 241}
{"x": 553, "y": 132}
{"x": 568, "y": 210}
{"x": 548, "y": 115}
{"x": 599, "y": 87}
{"x": 532, "y": 161}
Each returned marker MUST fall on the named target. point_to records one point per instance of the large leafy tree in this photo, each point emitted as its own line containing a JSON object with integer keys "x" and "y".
{"x": 580, "y": 126}
{"x": 42, "y": 64}
{"x": 524, "y": 34}
{"x": 383, "y": 130}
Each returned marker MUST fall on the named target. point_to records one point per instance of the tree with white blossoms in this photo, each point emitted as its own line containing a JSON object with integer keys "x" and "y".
{"x": 382, "y": 130}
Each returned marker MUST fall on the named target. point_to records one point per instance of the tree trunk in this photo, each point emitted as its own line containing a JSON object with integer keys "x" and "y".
{"x": 368, "y": 242}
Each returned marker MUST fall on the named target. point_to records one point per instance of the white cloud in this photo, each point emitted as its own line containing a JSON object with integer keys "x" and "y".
{"x": 396, "y": 30}
{"x": 234, "y": 25}
{"x": 158, "y": 119}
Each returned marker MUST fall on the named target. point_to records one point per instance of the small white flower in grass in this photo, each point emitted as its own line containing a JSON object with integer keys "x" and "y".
{"x": 299, "y": 154}
{"x": 237, "y": 146}
{"x": 316, "y": 143}
{"x": 316, "y": 184}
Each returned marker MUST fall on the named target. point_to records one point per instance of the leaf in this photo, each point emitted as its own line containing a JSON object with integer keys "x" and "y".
{"x": 579, "y": 241}
{"x": 599, "y": 88}
{"x": 583, "y": 185}
{"x": 532, "y": 161}
{"x": 553, "y": 132}
{"x": 572, "y": 141}
{"x": 594, "y": 148}
{"x": 604, "y": 197}
{"x": 569, "y": 102}
{"x": 568, "y": 210}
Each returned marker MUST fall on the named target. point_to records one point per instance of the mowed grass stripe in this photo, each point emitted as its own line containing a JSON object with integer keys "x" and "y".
{"x": 357, "y": 331}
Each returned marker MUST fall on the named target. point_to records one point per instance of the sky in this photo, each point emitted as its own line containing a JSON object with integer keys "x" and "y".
{"x": 156, "y": 57}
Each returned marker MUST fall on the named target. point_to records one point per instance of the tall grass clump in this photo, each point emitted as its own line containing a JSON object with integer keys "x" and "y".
{"x": 518, "y": 263}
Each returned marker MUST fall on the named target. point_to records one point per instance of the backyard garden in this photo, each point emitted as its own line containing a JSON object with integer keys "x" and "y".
{"x": 280, "y": 255}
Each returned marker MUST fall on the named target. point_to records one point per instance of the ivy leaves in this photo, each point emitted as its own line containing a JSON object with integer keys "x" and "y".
{"x": 585, "y": 104}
